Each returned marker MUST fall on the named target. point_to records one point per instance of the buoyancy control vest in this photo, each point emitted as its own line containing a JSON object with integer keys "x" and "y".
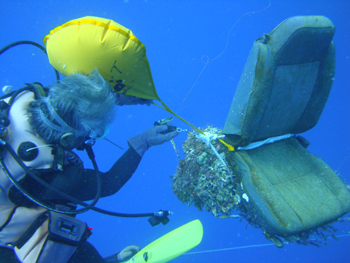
{"x": 36, "y": 234}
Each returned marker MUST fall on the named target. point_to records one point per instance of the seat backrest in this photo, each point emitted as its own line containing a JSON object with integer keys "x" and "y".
{"x": 285, "y": 82}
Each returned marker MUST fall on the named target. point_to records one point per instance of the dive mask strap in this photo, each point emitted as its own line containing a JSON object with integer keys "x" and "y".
{"x": 64, "y": 127}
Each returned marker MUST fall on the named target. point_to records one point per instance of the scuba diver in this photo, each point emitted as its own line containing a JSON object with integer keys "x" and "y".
{"x": 42, "y": 180}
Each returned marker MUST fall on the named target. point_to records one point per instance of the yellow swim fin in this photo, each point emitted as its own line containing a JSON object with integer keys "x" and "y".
{"x": 171, "y": 245}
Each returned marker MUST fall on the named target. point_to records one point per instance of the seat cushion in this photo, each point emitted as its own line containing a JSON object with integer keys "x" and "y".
{"x": 289, "y": 189}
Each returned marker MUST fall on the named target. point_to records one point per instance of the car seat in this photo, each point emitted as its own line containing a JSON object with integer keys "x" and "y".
{"x": 281, "y": 93}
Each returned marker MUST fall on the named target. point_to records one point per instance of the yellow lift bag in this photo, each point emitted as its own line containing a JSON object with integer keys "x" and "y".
{"x": 81, "y": 45}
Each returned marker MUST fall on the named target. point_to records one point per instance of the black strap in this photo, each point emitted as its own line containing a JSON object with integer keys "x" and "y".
{"x": 31, "y": 230}
{"x": 9, "y": 218}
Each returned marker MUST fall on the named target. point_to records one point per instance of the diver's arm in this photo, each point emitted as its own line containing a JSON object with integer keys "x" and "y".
{"x": 81, "y": 183}
{"x": 120, "y": 173}
{"x": 111, "y": 181}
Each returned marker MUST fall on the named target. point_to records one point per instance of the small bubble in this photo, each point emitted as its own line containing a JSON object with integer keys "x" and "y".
{"x": 6, "y": 89}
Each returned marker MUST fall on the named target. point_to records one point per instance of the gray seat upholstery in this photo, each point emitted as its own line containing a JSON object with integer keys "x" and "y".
{"x": 283, "y": 89}
{"x": 290, "y": 190}
{"x": 285, "y": 82}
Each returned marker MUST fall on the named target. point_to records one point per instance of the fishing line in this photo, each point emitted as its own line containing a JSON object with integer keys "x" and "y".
{"x": 229, "y": 248}
{"x": 341, "y": 164}
{"x": 205, "y": 58}
{"x": 242, "y": 247}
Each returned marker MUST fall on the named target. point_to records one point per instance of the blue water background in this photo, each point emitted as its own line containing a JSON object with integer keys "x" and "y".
{"x": 177, "y": 34}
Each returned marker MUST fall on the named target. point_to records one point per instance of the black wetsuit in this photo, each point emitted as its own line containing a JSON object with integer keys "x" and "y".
{"x": 79, "y": 183}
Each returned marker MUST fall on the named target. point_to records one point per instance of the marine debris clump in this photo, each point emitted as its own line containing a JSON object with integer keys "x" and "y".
{"x": 203, "y": 180}
{"x": 212, "y": 181}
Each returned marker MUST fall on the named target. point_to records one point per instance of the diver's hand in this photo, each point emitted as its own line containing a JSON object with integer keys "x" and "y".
{"x": 127, "y": 253}
{"x": 151, "y": 137}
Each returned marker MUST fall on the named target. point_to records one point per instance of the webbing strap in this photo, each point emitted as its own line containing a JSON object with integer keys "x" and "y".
{"x": 31, "y": 230}
{"x": 269, "y": 140}
{"x": 9, "y": 218}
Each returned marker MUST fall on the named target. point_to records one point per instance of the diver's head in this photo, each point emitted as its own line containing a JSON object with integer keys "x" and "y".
{"x": 76, "y": 108}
